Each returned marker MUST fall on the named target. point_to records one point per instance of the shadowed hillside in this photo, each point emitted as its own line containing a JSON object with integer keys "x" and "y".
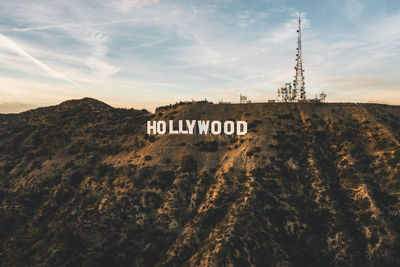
{"x": 81, "y": 184}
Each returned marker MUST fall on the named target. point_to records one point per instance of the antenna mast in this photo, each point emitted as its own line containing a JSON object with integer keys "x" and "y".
{"x": 298, "y": 82}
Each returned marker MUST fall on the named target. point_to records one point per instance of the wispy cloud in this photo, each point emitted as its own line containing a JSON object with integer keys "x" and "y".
{"x": 76, "y": 25}
{"x": 97, "y": 61}
{"x": 7, "y": 43}
{"x": 48, "y": 27}
{"x": 87, "y": 34}
{"x": 355, "y": 82}
{"x": 353, "y": 10}
{"x": 126, "y": 5}
{"x": 288, "y": 30}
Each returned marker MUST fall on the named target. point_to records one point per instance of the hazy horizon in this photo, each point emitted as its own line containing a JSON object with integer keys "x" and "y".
{"x": 149, "y": 53}
{"x": 8, "y": 108}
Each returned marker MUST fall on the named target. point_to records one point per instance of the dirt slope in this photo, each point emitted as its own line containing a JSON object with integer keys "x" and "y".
{"x": 309, "y": 185}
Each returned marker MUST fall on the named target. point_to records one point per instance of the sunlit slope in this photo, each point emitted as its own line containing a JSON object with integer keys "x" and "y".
{"x": 309, "y": 184}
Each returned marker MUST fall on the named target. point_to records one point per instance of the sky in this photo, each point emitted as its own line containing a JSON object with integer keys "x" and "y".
{"x": 148, "y": 53}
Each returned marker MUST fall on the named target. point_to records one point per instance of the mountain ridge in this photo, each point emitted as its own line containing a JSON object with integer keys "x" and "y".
{"x": 81, "y": 183}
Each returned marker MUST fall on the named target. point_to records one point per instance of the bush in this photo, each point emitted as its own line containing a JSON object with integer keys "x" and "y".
{"x": 253, "y": 124}
{"x": 210, "y": 146}
{"x": 188, "y": 163}
{"x": 102, "y": 170}
{"x": 76, "y": 178}
{"x": 250, "y": 153}
{"x": 66, "y": 236}
{"x": 164, "y": 179}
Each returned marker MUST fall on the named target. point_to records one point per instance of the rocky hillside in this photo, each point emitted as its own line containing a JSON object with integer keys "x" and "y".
{"x": 81, "y": 184}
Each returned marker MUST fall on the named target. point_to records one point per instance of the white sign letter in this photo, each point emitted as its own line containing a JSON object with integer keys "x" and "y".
{"x": 161, "y": 127}
{"x": 240, "y": 131}
{"x": 216, "y": 130}
{"x": 190, "y": 126}
{"x": 231, "y": 126}
{"x": 181, "y": 131}
{"x": 171, "y": 127}
{"x": 151, "y": 127}
{"x": 203, "y": 126}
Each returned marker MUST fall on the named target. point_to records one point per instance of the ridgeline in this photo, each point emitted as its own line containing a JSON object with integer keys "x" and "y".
{"x": 82, "y": 184}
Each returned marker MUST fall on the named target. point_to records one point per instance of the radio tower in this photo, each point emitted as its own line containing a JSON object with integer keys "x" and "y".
{"x": 298, "y": 82}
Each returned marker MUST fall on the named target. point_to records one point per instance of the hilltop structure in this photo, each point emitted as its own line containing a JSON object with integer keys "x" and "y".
{"x": 298, "y": 82}
{"x": 296, "y": 92}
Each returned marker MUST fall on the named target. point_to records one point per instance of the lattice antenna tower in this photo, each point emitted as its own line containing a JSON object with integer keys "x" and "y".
{"x": 298, "y": 82}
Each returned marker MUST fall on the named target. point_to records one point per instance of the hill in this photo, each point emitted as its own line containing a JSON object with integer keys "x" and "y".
{"x": 82, "y": 184}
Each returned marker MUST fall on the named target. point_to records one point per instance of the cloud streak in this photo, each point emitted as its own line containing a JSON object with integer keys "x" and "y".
{"x": 127, "y": 5}
{"x": 9, "y": 44}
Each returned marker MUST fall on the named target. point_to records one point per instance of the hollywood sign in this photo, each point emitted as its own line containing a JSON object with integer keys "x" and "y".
{"x": 197, "y": 127}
